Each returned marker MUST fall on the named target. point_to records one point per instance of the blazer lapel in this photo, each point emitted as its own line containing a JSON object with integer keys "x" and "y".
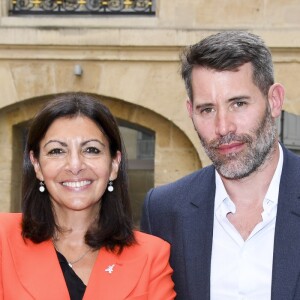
{"x": 198, "y": 233}
{"x": 38, "y": 269}
{"x": 114, "y": 277}
{"x": 286, "y": 258}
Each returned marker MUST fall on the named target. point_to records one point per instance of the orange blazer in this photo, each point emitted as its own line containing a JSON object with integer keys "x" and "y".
{"x": 32, "y": 271}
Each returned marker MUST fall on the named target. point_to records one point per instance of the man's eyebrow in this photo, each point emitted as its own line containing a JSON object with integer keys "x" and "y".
{"x": 237, "y": 98}
{"x": 204, "y": 105}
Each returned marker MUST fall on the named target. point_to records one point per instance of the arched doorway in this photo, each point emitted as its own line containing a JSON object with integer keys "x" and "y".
{"x": 159, "y": 152}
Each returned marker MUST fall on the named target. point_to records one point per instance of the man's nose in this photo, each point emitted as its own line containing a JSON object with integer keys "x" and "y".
{"x": 224, "y": 123}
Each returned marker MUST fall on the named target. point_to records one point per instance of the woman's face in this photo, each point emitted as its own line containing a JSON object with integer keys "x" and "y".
{"x": 75, "y": 163}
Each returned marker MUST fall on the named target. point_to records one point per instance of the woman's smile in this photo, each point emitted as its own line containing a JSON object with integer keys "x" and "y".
{"x": 75, "y": 163}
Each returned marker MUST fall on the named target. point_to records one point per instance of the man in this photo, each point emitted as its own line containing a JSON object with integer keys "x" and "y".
{"x": 234, "y": 227}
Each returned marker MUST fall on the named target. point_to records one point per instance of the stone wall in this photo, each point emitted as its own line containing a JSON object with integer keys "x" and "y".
{"x": 132, "y": 63}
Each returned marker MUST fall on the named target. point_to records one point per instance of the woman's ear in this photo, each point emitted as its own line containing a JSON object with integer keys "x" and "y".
{"x": 276, "y": 98}
{"x": 115, "y": 166}
{"x": 36, "y": 166}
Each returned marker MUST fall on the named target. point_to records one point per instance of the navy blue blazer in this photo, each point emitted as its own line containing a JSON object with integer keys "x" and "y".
{"x": 182, "y": 214}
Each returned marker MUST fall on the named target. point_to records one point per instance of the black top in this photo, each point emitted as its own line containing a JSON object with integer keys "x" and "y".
{"x": 75, "y": 285}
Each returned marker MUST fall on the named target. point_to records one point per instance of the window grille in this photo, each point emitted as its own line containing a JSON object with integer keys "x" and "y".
{"x": 80, "y": 7}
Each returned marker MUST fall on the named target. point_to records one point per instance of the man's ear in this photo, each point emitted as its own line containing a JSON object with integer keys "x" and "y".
{"x": 276, "y": 98}
{"x": 115, "y": 164}
{"x": 36, "y": 166}
{"x": 189, "y": 106}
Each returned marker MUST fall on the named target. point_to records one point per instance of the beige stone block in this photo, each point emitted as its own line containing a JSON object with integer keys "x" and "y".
{"x": 5, "y": 131}
{"x": 5, "y": 196}
{"x": 179, "y": 139}
{"x": 122, "y": 80}
{"x": 7, "y": 87}
{"x": 120, "y": 109}
{"x": 66, "y": 80}
{"x": 289, "y": 75}
{"x": 33, "y": 78}
{"x": 173, "y": 164}
{"x": 11, "y": 117}
{"x": 6, "y": 155}
{"x": 213, "y": 13}
{"x": 145, "y": 84}
{"x": 282, "y": 13}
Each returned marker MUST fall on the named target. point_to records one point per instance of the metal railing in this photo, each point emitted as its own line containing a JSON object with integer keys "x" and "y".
{"x": 79, "y": 7}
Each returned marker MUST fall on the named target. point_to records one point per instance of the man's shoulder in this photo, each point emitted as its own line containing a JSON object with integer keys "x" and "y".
{"x": 291, "y": 161}
{"x": 287, "y": 153}
{"x": 181, "y": 191}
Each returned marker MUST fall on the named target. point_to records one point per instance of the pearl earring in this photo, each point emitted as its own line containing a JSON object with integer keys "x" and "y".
{"x": 42, "y": 187}
{"x": 110, "y": 187}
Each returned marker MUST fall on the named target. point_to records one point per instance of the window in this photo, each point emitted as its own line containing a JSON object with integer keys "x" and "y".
{"x": 140, "y": 145}
{"x": 289, "y": 131}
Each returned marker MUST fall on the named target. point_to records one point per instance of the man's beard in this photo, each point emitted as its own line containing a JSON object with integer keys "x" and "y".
{"x": 259, "y": 147}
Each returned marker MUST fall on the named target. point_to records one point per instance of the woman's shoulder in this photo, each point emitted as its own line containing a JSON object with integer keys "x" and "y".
{"x": 146, "y": 246}
{"x": 146, "y": 237}
{"x": 10, "y": 222}
{"x": 149, "y": 242}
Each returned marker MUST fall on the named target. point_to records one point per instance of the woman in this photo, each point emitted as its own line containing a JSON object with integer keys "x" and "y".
{"x": 75, "y": 238}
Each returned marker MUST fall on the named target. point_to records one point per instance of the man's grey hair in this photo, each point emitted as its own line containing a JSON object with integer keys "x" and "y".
{"x": 226, "y": 51}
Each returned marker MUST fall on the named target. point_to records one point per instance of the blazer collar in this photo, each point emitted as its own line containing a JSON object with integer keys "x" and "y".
{"x": 198, "y": 232}
{"x": 40, "y": 273}
{"x": 38, "y": 269}
{"x": 286, "y": 263}
{"x": 113, "y": 276}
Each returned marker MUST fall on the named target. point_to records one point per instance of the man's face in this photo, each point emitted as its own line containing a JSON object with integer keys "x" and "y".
{"x": 233, "y": 120}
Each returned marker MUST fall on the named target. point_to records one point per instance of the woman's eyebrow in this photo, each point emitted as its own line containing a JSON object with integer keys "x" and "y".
{"x": 92, "y": 140}
{"x": 63, "y": 144}
{"x": 55, "y": 141}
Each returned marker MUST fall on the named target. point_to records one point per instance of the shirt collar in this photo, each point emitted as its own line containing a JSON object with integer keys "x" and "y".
{"x": 273, "y": 190}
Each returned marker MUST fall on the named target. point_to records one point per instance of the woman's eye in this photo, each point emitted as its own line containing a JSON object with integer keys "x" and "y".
{"x": 55, "y": 151}
{"x": 92, "y": 150}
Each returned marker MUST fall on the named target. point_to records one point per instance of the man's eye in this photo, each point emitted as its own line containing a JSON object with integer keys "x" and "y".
{"x": 92, "y": 150}
{"x": 240, "y": 104}
{"x": 207, "y": 110}
{"x": 203, "y": 110}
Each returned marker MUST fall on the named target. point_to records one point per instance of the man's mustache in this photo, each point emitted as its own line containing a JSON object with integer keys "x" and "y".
{"x": 229, "y": 138}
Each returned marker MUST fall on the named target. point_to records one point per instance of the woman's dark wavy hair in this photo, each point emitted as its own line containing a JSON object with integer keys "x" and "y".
{"x": 114, "y": 228}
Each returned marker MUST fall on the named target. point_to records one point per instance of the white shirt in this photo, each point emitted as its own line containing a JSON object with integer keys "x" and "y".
{"x": 242, "y": 270}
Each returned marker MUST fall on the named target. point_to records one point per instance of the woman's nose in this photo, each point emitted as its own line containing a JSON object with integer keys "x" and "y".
{"x": 75, "y": 163}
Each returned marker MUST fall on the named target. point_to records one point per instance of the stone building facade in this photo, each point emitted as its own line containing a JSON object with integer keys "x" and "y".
{"x": 131, "y": 63}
